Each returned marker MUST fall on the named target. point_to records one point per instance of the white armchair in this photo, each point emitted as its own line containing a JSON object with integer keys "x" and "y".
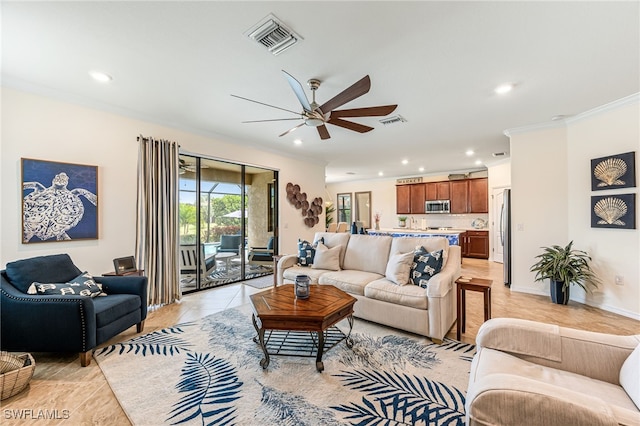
{"x": 526, "y": 372}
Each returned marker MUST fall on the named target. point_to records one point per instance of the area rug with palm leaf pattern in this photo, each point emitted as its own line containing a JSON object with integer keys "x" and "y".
{"x": 207, "y": 372}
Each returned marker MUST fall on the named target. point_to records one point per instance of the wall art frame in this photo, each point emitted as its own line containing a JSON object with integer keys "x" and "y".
{"x": 617, "y": 211}
{"x": 59, "y": 201}
{"x": 613, "y": 172}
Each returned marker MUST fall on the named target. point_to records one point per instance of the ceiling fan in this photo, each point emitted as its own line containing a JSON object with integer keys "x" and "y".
{"x": 317, "y": 116}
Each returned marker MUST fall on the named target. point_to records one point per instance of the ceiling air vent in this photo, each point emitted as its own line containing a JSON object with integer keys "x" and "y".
{"x": 499, "y": 154}
{"x": 394, "y": 119}
{"x": 271, "y": 33}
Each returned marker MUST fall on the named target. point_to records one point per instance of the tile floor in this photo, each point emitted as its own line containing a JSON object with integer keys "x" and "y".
{"x": 64, "y": 393}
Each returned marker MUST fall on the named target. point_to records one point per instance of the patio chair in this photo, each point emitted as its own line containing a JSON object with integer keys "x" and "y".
{"x": 230, "y": 244}
{"x": 189, "y": 263}
{"x": 262, "y": 255}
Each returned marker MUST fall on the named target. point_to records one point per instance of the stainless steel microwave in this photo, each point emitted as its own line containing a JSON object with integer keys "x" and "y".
{"x": 437, "y": 206}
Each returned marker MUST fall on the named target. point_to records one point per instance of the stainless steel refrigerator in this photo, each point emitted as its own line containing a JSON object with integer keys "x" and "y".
{"x": 505, "y": 235}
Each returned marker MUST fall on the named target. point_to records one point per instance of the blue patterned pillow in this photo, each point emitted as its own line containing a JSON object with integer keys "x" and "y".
{"x": 82, "y": 285}
{"x": 425, "y": 265}
{"x": 307, "y": 251}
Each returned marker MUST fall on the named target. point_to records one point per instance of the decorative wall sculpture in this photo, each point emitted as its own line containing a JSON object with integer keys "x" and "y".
{"x": 310, "y": 210}
{"x": 60, "y": 201}
{"x": 612, "y": 172}
{"x": 613, "y": 211}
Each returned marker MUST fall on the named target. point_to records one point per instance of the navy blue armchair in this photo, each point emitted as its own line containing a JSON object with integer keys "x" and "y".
{"x": 65, "y": 323}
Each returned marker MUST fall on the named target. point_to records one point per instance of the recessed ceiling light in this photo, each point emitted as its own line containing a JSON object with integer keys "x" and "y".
{"x": 380, "y": 174}
{"x": 405, "y": 162}
{"x": 297, "y": 141}
{"x": 478, "y": 162}
{"x": 504, "y": 88}
{"x": 421, "y": 169}
{"x": 100, "y": 76}
{"x": 469, "y": 152}
{"x": 559, "y": 117}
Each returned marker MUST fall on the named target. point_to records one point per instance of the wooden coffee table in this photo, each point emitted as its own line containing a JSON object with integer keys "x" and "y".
{"x": 278, "y": 309}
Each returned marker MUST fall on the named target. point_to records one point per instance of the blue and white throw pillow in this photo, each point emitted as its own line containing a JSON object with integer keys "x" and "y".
{"x": 425, "y": 265}
{"x": 82, "y": 285}
{"x": 307, "y": 251}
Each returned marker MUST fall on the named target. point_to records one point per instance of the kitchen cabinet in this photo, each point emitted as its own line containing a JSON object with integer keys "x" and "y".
{"x": 437, "y": 191}
{"x": 416, "y": 195}
{"x": 478, "y": 195}
{"x": 410, "y": 199}
{"x": 403, "y": 199}
{"x": 475, "y": 244}
{"x": 466, "y": 196}
{"x": 470, "y": 196}
{"x": 459, "y": 196}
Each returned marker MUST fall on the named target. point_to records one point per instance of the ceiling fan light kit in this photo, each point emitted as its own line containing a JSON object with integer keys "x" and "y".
{"x": 314, "y": 115}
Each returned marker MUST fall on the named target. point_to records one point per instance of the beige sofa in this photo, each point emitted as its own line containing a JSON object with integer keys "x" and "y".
{"x": 363, "y": 261}
{"x": 526, "y": 372}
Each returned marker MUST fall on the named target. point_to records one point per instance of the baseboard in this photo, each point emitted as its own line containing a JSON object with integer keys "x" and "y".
{"x": 603, "y": 306}
{"x": 609, "y": 308}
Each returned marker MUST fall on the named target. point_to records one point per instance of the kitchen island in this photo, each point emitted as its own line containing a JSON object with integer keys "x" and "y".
{"x": 453, "y": 235}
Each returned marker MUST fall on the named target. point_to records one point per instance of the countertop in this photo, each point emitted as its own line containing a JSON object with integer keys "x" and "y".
{"x": 431, "y": 231}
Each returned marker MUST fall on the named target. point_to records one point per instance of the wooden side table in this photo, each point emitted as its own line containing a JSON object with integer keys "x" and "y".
{"x": 472, "y": 284}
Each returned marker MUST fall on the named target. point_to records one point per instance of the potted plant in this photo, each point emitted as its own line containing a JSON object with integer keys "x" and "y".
{"x": 402, "y": 221}
{"x": 564, "y": 266}
{"x": 328, "y": 211}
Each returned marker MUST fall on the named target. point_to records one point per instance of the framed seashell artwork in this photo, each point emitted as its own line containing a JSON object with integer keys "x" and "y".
{"x": 613, "y": 211}
{"x": 59, "y": 201}
{"x": 614, "y": 171}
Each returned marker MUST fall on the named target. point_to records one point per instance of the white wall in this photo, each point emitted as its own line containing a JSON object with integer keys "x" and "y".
{"x": 539, "y": 213}
{"x": 551, "y": 186}
{"x": 47, "y": 129}
{"x": 615, "y": 251}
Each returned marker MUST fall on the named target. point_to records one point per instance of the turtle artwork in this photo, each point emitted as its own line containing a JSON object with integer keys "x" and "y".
{"x": 49, "y": 213}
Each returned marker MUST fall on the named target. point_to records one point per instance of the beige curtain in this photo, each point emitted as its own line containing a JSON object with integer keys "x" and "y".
{"x": 158, "y": 227}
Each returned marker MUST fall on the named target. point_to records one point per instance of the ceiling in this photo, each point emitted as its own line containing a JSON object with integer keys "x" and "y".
{"x": 177, "y": 63}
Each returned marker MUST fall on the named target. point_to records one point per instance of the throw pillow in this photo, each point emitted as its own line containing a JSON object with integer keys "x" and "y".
{"x": 630, "y": 376}
{"x": 82, "y": 285}
{"x": 399, "y": 268}
{"x": 57, "y": 268}
{"x": 327, "y": 258}
{"x": 307, "y": 252}
{"x": 425, "y": 265}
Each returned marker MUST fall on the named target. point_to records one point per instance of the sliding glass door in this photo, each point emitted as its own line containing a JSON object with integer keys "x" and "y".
{"x": 226, "y": 211}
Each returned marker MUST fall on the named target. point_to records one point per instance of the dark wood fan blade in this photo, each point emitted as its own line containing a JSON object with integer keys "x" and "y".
{"x": 376, "y": 111}
{"x": 298, "y": 90}
{"x": 262, "y": 103}
{"x": 356, "y": 90}
{"x": 360, "y": 128}
{"x": 274, "y": 119}
{"x": 292, "y": 129}
{"x": 323, "y": 132}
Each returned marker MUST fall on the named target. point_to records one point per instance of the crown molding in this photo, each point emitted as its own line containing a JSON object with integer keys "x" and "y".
{"x": 535, "y": 127}
{"x": 627, "y": 100}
